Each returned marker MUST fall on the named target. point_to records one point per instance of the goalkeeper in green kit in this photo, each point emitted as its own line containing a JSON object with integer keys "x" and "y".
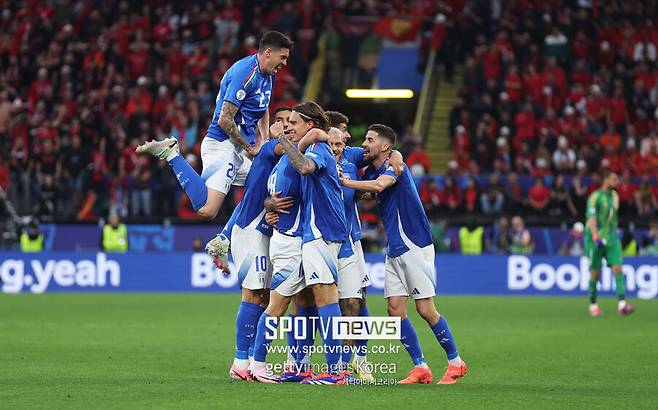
{"x": 602, "y": 241}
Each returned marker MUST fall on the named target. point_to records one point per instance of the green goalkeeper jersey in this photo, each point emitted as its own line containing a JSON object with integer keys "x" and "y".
{"x": 604, "y": 206}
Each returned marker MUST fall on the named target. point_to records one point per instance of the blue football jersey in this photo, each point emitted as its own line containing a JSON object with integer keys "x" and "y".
{"x": 401, "y": 211}
{"x": 324, "y": 212}
{"x": 355, "y": 156}
{"x": 285, "y": 179}
{"x": 251, "y": 211}
{"x": 351, "y": 213}
{"x": 250, "y": 90}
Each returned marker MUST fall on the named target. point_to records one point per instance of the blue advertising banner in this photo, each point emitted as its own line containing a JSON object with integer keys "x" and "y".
{"x": 195, "y": 272}
{"x": 179, "y": 238}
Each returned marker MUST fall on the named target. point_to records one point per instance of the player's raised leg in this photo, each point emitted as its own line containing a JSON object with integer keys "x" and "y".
{"x": 263, "y": 163}
{"x": 243, "y": 96}
{"x": 219, "y": 246}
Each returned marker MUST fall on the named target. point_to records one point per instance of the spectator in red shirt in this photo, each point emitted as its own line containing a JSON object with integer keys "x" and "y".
{"x": 596, "y": 110}
{"x": 617, "y": 113}
{"x": 451, "y": 195}
{"x": 491, "y": 61}
{"x": 626, "y": 190}
{"x": 533, "y": 83}
{"x": 4, "y": 174}
{"x": 538, "y": 196}
{"x": 573, "y": 127}
{"x": 614, "y": 160}
{"x": 513, "y": 84}
{"x": 430, "y": 195}
{"x": 470, "y": 196}
{"x": 462, "y": 141}
{"x": 526, "y": 125}
{"x": 198, "y": 62}
{"x": 418, "y": 161}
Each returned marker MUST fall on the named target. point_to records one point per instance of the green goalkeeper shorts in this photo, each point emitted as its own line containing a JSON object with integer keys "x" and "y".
{"x": 611, "y": 252}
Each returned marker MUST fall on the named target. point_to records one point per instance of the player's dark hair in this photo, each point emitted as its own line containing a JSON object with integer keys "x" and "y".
{"x": 274, "y": 40}
{"x": 311, "y": 111}
{"x": 336, "y": 118}
{"x": 384, "y": 131}
{"x": 282, "y": 108}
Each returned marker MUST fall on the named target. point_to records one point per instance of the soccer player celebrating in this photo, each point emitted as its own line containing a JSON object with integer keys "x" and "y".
{"x": 325, "y": 229}
{"x": 410, "y": 257}
{"x": 352, "y": 271}
{"x": 602, "y": 241}
{"x": 250, "y": 235}
{"x": 242, "y": 106}
{"x": 311, "y": 233}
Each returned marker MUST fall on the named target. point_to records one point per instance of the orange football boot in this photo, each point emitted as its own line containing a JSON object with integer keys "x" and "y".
{"x": 422, "y": 375}
{"x": 453, "y": 373}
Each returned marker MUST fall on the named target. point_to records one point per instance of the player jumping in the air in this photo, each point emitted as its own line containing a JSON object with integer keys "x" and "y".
{"x": 410, "y": 258}
{"x": 241, "y": 107}
{"x": 602, "y": 241}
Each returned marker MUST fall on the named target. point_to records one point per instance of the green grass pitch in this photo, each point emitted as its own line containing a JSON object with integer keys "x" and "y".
{"x": 174, "y": 351}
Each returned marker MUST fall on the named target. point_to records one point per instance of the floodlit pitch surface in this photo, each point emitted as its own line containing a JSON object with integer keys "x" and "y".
{"x": 174, "y": 351}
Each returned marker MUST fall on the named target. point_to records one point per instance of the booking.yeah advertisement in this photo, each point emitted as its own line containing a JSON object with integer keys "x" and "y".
{"x": 195, "y": 272}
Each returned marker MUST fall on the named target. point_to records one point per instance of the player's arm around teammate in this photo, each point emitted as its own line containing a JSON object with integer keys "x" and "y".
{"x": 410, "y": 269}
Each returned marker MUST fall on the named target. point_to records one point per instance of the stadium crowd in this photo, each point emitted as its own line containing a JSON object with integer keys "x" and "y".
{"x": 547, "y": 93}
{"x": 551, "y": 91}
{"x": 83, "y": 83}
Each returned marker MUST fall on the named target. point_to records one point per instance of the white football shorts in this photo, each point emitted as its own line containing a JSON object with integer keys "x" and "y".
{"x": 251, "y": 255}
{"x": 223, "y": 165}
{"x": 411, "y": 274}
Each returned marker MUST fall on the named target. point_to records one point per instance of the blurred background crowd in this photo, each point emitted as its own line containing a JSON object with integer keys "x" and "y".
{"x": 550, "y": 98}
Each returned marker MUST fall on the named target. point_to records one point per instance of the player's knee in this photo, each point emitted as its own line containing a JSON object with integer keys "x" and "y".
{"x": 349, "y": 306}
{"x": 325, "y": 294}
{"x": 265, "y": 297}
{"x": 428, "y": 312}
{"x": 396, "y": 310}
{"x": 207, "y": 212}
{"x": 594, "y": 274}
{"x": 250, "y": 296}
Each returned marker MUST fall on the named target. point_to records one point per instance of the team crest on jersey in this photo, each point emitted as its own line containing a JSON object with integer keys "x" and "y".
{"x": 240, "y": 95}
